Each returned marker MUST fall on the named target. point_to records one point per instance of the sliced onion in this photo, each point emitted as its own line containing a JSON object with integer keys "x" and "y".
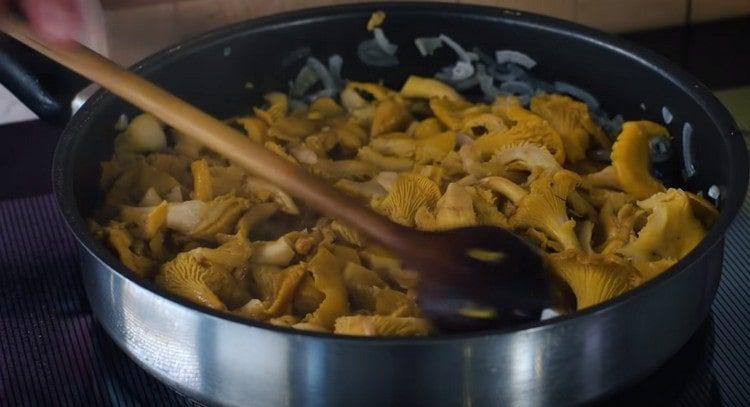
{"x": 463, "y": 139}
{"x": 616, "y": 124}
{"x": 489, "y": 90}
{"x": 304, "y": 154}
{"x": 519, "y": 58}
{"x": 305, "y": 80}
{"x": 687, "y": 150}
{"x": 483, "y": 57}
{"x": 335, "y": 63}
{"x": 383, "y": 42}
{"x": 517, "y": 88}
{"x": 458, "y": 49}
{"x": 445, "y": 74}
{"x": 327, "y": 92}
{"x": 660, "y": 149}
{"x": 322, "y": 72}
{"x": 611, "y": 126}
{"x": 298, "y": 54}
{"x": 578, "y": 93}
{"x": 714, "y": 192}
{"x": 549, "y": 313}
{"x": 428, "y": 45}
{"x": 541, "y": 86}
{"x": 462, "y": 70}
{"x": 507, "y": 72}
{"x": 442, "y": 76}
{"x": 122, "y": 123}
{"x": 465, "y": 84}
{"x": 666, "y": 114}
{"x": 370, "y": 53}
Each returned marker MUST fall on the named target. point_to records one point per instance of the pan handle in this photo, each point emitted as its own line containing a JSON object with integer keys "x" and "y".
{"x": 42, "y": 85}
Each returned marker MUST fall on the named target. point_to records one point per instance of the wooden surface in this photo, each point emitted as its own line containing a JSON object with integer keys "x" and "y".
{"x": 709, "y": 10}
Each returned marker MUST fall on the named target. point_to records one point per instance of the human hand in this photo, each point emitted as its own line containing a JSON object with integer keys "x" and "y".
{"x": 54, "y": 20}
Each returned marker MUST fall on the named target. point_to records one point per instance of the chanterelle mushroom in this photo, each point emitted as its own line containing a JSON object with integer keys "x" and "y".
{"x": 593, "y": 278}
{"x": 671, "y": 231}
{"x": 632, "y": 160}
{"x": 572, "y": 122}
{"x": 423, "y": 156}
{"x": 409, "y": 193}
{"x": 185, "y": 277}
{"x": 379, "y": 325}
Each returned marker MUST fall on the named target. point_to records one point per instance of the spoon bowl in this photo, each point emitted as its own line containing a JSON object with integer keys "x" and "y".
{"x": 477, "y": 277}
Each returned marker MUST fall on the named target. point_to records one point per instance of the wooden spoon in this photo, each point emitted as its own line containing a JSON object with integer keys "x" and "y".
{"x": 469, "y": 277}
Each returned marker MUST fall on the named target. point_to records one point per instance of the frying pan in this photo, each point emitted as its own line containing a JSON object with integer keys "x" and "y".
{"x": 217, "y": 358}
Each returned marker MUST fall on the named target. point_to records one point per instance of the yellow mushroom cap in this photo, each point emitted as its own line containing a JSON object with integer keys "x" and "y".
{"x": 326, "y": 272}
{"x": 571, "y": 120}
{"x": 379, "y": 325}
{"x": 702, "y": 209}
{"x": 278, "y": 107}
{"x": 451, "y": 112}
{"x": 528, "y": 128}
{"x": 434, "y": 148}
{"x": 593, "y": 278}
{"x": 186, "y": 277}
{"x": 376, "y": 19}
{"x": 426, "y": 88}
{"x": 544, "y": 209}
{"x": 671, "y": 231}
{"x": 358, "y": 281}
{"x": 348, "y": 234}
{"x": 219, "y": 216}
{"x": 369, "y": 156}
{"x": 455, "y": 208}
{"x": 425, "y": 128}
{"x": 481, "y": 123}
{"x": 631, "y": 158}
{"x": 526, "y": 155}
{"x": 149, "y": 221}
{"x": 232, "y": 253}
{"x": 120, "y": 240}
{"x": 485, "y": 206}
{"x": 408, "y": 194}
{"x": 390, "y": 115}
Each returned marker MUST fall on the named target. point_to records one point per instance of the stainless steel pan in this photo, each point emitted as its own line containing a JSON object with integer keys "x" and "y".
{"x": 221, "y": 359}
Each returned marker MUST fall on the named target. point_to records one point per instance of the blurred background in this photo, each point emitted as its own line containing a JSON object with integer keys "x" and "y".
{"x": 128, "y": 30}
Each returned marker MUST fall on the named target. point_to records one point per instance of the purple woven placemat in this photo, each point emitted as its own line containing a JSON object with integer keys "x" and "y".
{"x": 53, "y": 353}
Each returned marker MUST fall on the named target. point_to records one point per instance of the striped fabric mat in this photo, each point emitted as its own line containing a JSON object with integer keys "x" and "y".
{"x": 53, "y": 353}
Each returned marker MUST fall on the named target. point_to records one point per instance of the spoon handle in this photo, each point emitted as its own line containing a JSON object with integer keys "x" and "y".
{"x": 211, "y": 132}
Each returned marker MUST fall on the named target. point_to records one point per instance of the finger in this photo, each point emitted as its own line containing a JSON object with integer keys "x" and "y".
{"x": 54, "y": 20}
